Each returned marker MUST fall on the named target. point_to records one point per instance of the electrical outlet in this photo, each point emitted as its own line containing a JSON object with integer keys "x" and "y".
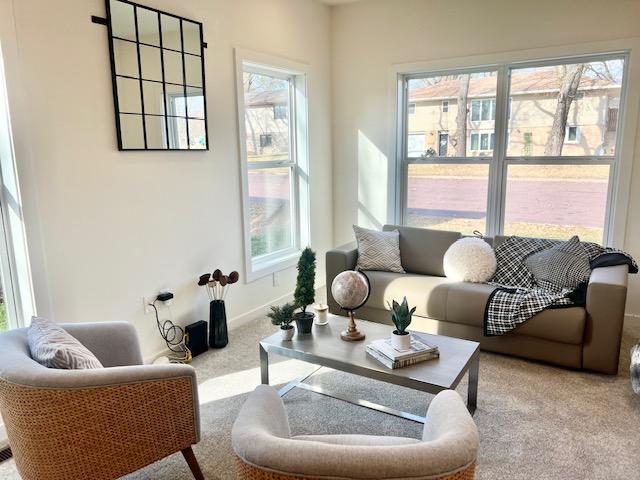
{"x": 145, "y": 304}
{"x": 276, "y": 279}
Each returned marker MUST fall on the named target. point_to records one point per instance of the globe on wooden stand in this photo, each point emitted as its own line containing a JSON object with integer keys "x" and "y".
{"x": 351, "y": 290}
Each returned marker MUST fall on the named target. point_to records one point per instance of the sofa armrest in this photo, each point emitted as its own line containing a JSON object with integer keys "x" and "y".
{"x": 114, "y": 343}
{"x": 606, "y": 297}
{"x": 339, "y": 260}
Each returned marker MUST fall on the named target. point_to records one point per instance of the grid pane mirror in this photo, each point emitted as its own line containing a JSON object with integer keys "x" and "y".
{"x": 157, "y": 62}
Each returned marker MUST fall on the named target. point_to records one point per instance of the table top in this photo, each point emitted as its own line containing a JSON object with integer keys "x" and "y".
{"x": 325, "y": 347}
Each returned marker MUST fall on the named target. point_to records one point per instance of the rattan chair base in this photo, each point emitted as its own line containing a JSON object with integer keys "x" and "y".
{"x": 246, "y": 471}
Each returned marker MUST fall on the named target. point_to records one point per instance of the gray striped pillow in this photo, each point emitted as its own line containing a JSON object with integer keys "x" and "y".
{"x": 53, "y": 347}
{"x": 378, "y": 250}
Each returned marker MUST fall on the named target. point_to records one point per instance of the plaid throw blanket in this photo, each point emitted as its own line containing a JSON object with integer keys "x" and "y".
{"x": 518, "y": 296}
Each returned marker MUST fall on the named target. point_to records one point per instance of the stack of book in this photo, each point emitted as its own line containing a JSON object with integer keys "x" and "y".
{"x": 386, "y": 354}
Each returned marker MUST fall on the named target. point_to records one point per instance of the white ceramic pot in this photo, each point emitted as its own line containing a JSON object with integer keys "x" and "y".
{"x": 287, "y": 333}
{"x": 400, "y": 342}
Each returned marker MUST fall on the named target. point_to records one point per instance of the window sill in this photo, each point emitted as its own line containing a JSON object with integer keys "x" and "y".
{"x": 260, "y": 269}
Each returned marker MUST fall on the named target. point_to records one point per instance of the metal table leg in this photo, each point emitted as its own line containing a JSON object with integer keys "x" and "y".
{"x": 472, "y": 390}
{"x": 264, "y": 366}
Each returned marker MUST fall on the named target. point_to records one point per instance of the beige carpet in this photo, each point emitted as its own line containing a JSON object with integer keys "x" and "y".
{"x": 535, "y": 421}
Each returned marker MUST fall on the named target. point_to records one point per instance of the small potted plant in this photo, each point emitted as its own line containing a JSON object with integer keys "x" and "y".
{"x": 283, "y": 316}
{"x": 304, "y": 294}
{"x": 401, "y": 315}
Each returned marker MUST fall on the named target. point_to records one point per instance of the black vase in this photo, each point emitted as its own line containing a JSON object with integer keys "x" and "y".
{"x": 218, "y": 337}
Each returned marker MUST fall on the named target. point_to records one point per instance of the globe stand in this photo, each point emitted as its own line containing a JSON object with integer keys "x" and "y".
{"x": 352, "y": 334}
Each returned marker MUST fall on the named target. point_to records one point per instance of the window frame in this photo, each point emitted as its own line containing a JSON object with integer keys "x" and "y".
{"x": 444, "y": 106}
{"x": 499, "y": 162}
{"x": 297, "y": 163}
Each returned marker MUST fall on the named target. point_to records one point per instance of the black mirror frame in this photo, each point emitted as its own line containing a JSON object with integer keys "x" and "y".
{"x": 137, "y": 42}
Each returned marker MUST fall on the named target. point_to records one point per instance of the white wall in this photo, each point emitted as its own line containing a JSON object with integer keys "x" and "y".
{"x": 370, "y": 37}
{"x": 105, "y": 227}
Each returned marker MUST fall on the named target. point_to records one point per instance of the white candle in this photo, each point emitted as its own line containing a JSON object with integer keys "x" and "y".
{"x": 321, "y": 314}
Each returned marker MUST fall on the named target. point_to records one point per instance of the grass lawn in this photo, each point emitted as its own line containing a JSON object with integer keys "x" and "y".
{"x": 3, "y": 317}
{"x": 523, "y": 229}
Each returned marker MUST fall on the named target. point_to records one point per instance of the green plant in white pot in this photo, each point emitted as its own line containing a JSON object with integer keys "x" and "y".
{"x": 401, "y": 316}
{"x": 283, "y": 316}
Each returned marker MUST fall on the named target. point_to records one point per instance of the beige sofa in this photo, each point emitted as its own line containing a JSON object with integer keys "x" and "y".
{"x": 586, "y": 338}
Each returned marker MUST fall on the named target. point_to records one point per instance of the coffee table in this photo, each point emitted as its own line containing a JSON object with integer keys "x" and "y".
{"x": 325, "y": 348}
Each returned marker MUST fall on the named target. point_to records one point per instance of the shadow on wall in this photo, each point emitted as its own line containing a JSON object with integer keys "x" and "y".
{"x": 373, "y": 177}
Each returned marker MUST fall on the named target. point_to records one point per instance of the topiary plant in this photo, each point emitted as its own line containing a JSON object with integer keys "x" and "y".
{"x": 305, "y": 284}
{"x": 401, "y": 315}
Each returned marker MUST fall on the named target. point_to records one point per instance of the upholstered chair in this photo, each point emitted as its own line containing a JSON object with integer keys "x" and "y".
{"x": 266, "y": 450}
{"x": 101, "y": 423}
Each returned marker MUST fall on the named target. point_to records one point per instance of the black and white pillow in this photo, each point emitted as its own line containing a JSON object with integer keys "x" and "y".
{"x": 565, "y": 265}
{"x": 53, "y": 347}
{"x": 378, "y": 250}
{"x": 510, "y": 255}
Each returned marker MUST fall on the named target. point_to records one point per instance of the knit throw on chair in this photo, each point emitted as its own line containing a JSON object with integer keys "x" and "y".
{"x": 519, "y": 295}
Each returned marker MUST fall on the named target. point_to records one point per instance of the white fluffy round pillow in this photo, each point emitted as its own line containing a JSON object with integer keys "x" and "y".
{"x": 470, "y": 260}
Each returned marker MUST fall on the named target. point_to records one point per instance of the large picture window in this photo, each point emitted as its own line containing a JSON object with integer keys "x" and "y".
{"x": 531, "y": 148}
{"x": 273, "y": 133}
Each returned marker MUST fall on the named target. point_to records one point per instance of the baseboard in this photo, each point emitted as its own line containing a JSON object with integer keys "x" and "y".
{"x": 245, "y": 318}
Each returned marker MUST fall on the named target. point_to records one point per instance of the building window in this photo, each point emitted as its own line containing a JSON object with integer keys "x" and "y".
{"x": 411, "y": 108}
{"x": 416, "y": 144}
{"x": 445, "y": 106}
{"x": 545, "y": 181}
{"x": 483, "y": 110}
{"x": 572, "y": 134}
{"x": 443, "y": 144}
{"x": 280, "y": 112}
{"x": 274, "y": 163}
{"x": 482, "y": 142}
{"x": 612, "y": 120}
{"x": 527, "y": 141}
{"x": 266, "y": 140}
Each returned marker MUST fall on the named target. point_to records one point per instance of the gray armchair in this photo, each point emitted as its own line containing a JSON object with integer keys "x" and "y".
{"x": 98, "y": 424}
{"x": 266, "y": 449}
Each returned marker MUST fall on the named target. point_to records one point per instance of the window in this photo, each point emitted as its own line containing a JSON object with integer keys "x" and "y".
{"x": 612, "y": 120}
{"x": 527, "y": 141}
{"x": 416, "y": 144}
{"x": 572, "y": 135}
{"x": 266, "y": 140}
{"x": 411, "y": 108}
{"x": 280, "y": 112}
{"x": 274, "y": 162}
{"x": 482, "y": 142}
{"x": 483, "y": 110}
{"x": 445, "y": 106}
{"x": 443, "y": 143}
{"x": 16, "y": 295}
{"x": 550, "y": 157}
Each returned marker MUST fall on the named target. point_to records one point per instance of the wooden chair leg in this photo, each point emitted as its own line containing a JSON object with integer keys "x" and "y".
{"x": 192, "y": 461}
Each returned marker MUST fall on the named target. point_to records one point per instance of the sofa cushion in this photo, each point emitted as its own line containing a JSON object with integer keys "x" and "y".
{"x": 466, "y": 303}
{"x": 422, "y": 250}
{"x": 427, "y": 293}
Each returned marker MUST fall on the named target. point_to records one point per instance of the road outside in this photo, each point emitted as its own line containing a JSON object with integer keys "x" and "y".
{"x": 542, "y": 201}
